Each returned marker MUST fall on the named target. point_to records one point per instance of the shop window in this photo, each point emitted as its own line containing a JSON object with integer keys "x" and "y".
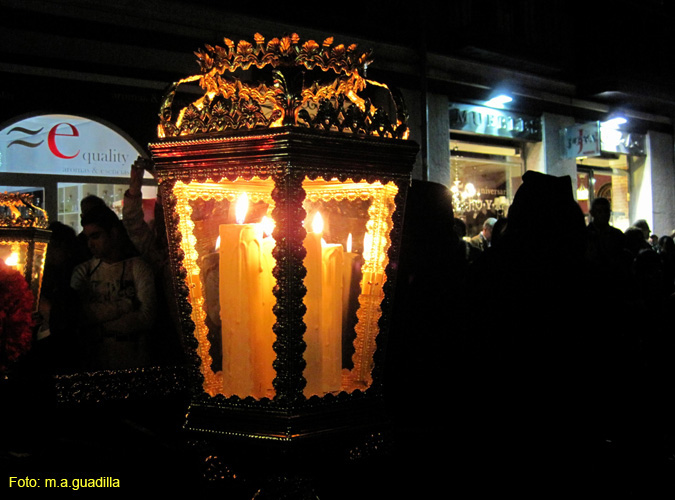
{"x": 71, "y": 194}
{"x": 483, "y": 185}
{"x": 605, "y": 178}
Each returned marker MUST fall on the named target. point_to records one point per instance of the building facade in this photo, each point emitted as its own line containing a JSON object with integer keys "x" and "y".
{"x": 106, "y": 68}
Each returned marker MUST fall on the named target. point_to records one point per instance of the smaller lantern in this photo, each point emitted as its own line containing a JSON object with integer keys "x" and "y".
{"x": 24, "y": 238}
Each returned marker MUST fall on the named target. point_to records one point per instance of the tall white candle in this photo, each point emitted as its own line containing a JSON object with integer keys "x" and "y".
{"x": 314, "y": 287}
{"x": 323, "y": 318}
{"x": 245, "y": 286}
{"x": 351, "y": 289}
{"x": 331, "y": 316}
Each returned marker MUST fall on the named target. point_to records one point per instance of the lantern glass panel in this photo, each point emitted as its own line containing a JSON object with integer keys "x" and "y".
{"x": 229, "y": 266}
{"x": 27, "y": 257}
{"x": 348, "y": 226}
{"x": 14, "y": 254}
{"x": 39, "y": 256}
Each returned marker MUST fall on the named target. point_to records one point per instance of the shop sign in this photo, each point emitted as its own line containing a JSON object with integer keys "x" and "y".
{"x": 622, "y": 142}
{"x": 582, "y": 140}
{"x": 60, "y": 144}
{"x": 493, "y": 122}
{"x": 592, "y": 139}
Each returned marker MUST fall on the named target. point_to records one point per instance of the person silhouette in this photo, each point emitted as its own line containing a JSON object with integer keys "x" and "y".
{"x": 483, "y": 239}
{"x": 667, "y": 254}
{"x": 150, "y": 240}
{"x": 608, "y": 259}
{"x": 605, "y": 239}
{"x": 57, "y": 306}
{"x": 430, "y": 271}
{"x": 117, "y": 296}
{"x": 535, "y": 370}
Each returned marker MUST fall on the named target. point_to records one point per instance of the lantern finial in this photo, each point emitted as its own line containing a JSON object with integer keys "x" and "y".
{"x": 21, "y": 211}
{"x": 305, "y": 84}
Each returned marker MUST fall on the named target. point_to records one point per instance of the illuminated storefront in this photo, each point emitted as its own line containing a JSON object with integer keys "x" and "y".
{"x": 605, "y": 157}
{"x": 486, "y": 160}
{"x": 61, "y": 158}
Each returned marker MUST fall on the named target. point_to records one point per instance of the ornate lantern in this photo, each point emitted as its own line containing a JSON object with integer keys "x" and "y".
{"x": 283, "y": 192}
{"x": 24, "y": 238}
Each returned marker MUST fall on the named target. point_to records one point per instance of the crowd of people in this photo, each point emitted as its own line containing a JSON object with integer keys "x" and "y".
{"x": 539, "y": 292}
{"x": 546, "y": 343}
{"x": 105, "y": 290}
{"x": 541, "y": 337}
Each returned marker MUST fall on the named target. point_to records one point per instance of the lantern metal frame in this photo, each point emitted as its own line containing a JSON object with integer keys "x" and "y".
{"x": 287, "y": 156}
{"x": 299, "y": 124}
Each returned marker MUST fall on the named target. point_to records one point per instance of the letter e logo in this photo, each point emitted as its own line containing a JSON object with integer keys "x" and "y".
{"x": 51, "y": 140}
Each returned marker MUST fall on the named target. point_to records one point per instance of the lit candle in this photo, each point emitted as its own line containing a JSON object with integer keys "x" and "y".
{"x": 331, "y": 315}
{"x": 323, "y": 318}
{"x": 11, "y": 254}
{"x": 351, "y": 289}
{"x": 13, "y": 260}
{"x": 245, "y": 286}
{"x": 313, "y": 285}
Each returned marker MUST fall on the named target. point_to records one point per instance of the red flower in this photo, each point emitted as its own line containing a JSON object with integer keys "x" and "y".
{"x": 16, "y": 316}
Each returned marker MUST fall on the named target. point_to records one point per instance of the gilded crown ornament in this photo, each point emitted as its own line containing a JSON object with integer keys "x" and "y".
{"x": 21, "y": 212}
{"x": 285, "y": 82}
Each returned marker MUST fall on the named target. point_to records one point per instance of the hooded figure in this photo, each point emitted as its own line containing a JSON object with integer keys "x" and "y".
{"x": 534, "y": 362}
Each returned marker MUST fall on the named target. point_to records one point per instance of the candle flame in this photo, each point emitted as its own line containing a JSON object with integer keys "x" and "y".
{"x": 317, "y": 223}
{"x": 217, "y": 243}
{"x": 12, "y": 260}
{"x": 267, "y": 225}
{"x": 241, "y": 208}
{"x": 349, "y": 242}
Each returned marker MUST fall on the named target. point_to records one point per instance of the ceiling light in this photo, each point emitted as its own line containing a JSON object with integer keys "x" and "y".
{"x": 499, "y": 101}
{"x": 615, "y": 122}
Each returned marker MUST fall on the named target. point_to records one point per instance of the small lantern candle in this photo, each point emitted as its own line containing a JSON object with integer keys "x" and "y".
{"x": 351, "y": 289}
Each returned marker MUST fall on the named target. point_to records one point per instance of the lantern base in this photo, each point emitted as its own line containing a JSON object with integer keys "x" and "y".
{"x": 283, "y": 425}
{"x": 120, "y": 385}
{"x": 314, "y": 452}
